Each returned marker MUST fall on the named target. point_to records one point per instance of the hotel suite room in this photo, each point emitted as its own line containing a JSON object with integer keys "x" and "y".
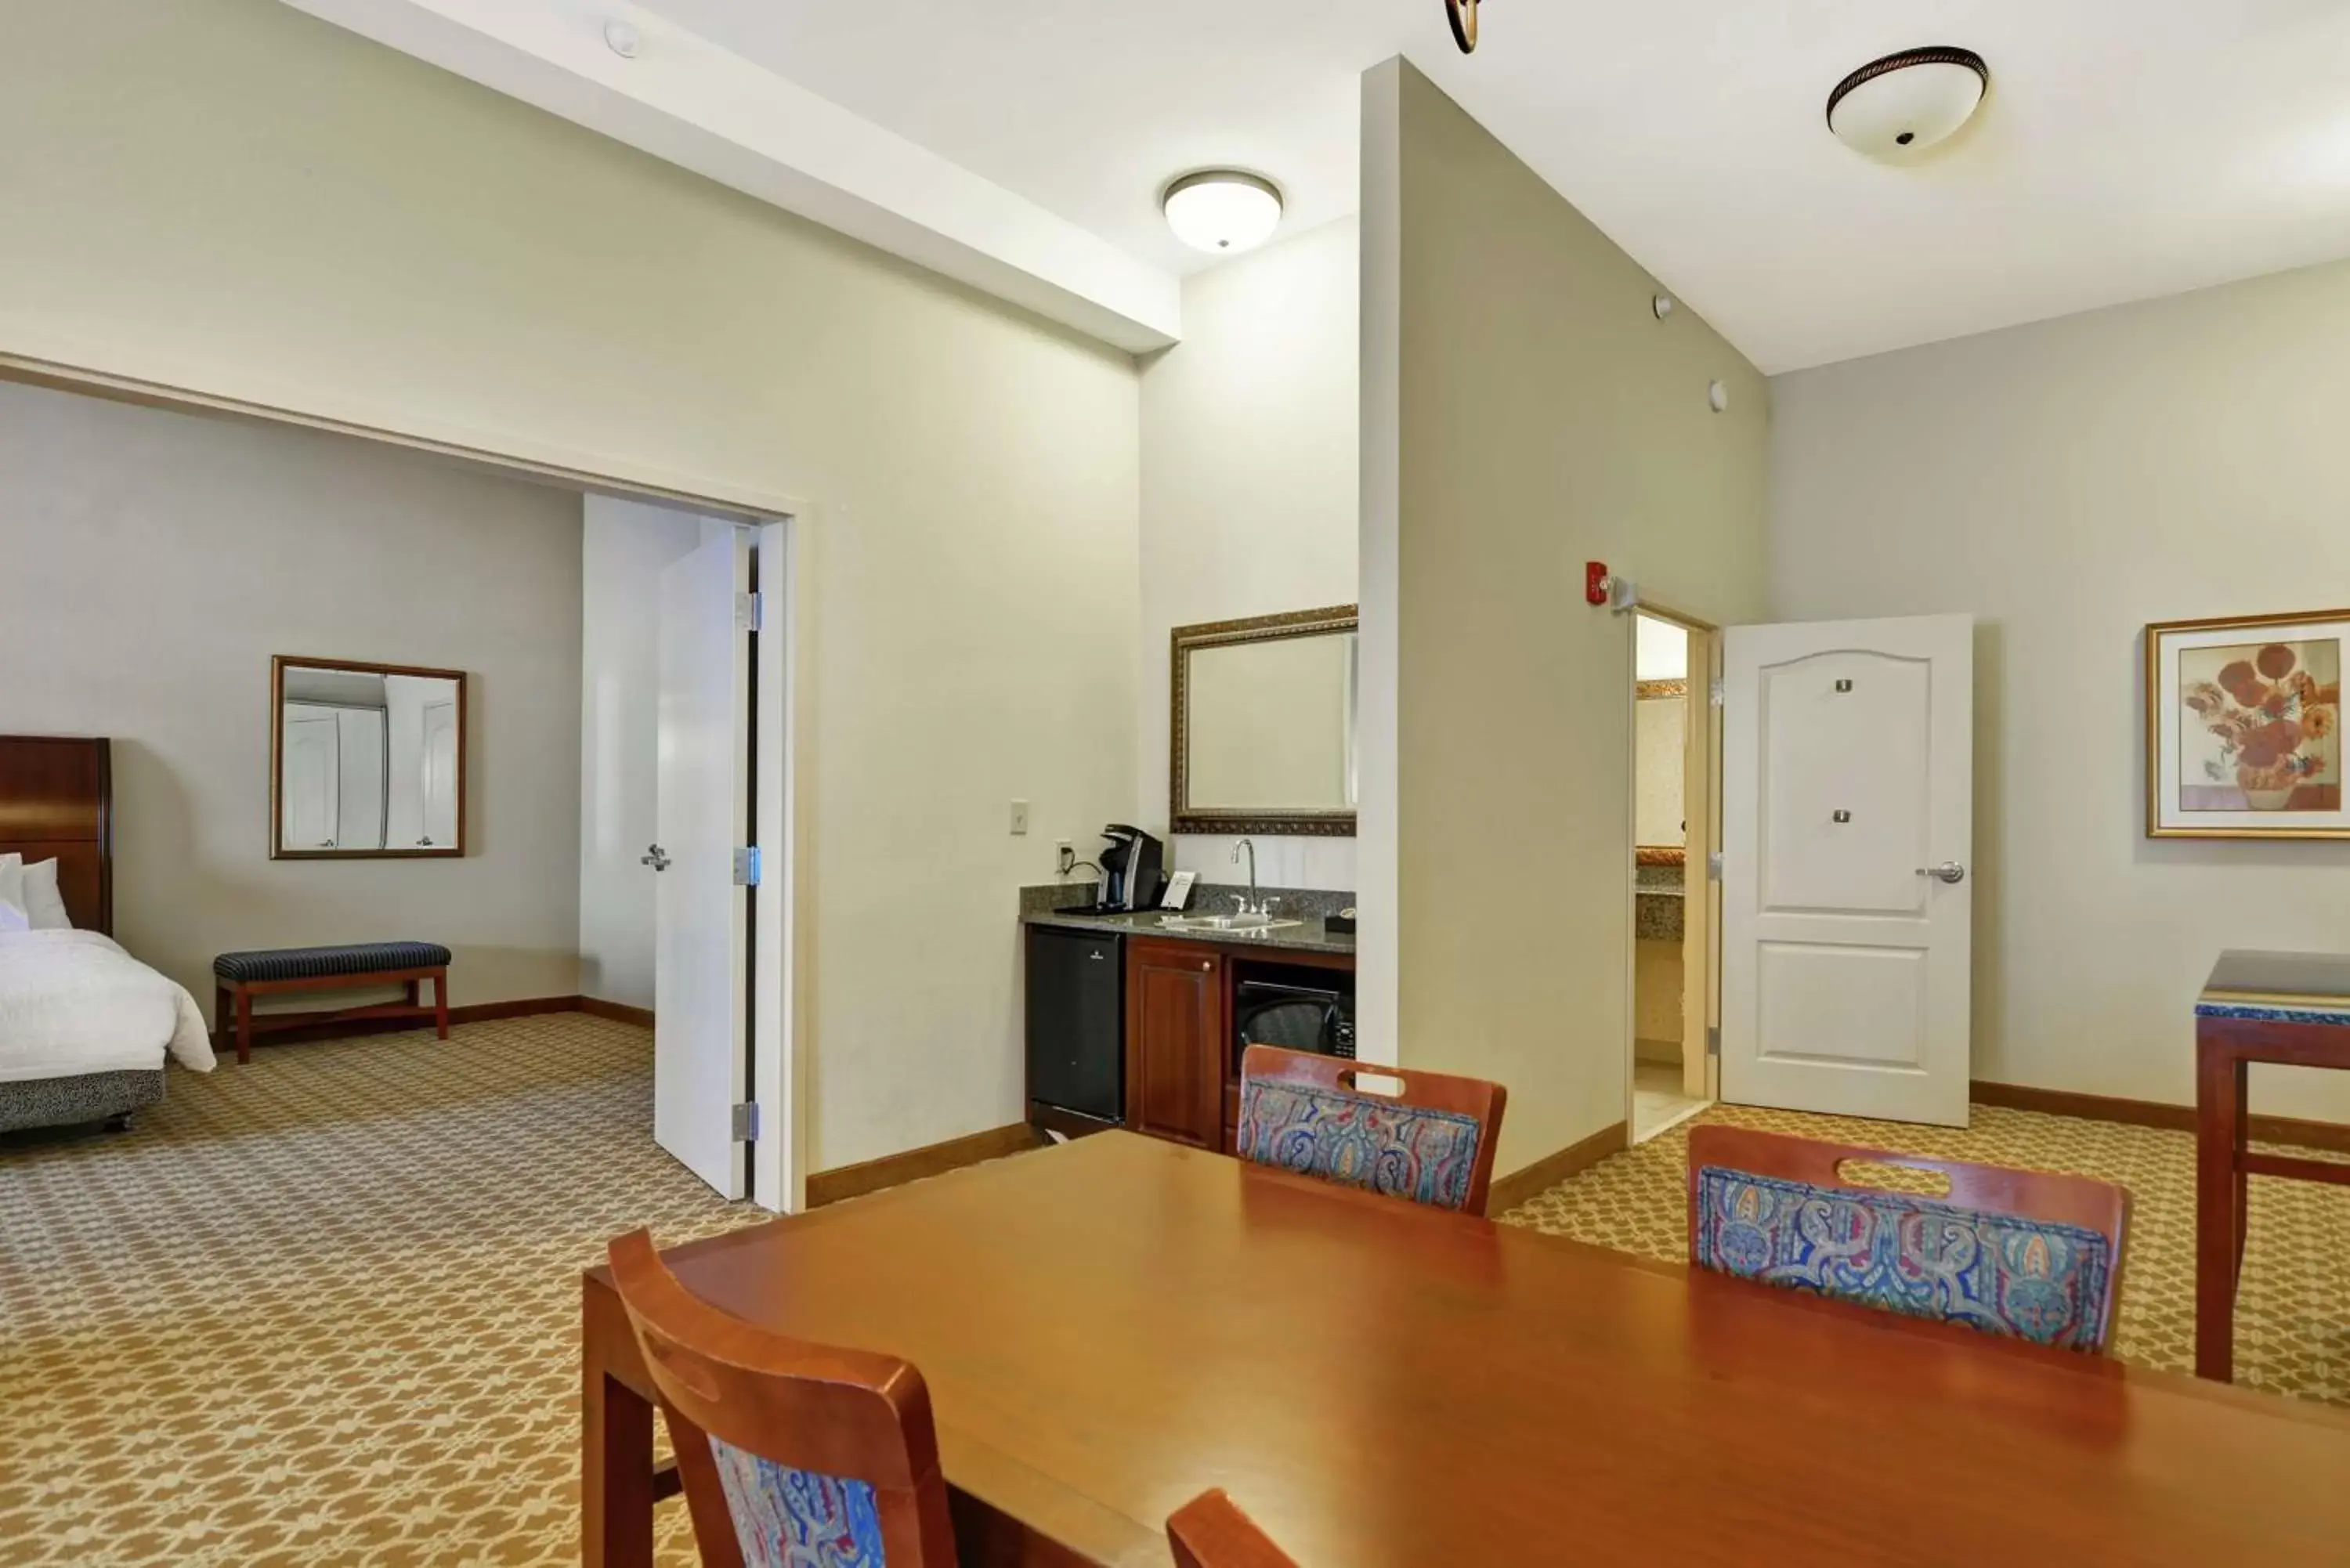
{"x": 1062, "y": 817}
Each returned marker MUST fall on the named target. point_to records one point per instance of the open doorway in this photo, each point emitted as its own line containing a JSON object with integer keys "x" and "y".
{"x": 1672, "y": 835}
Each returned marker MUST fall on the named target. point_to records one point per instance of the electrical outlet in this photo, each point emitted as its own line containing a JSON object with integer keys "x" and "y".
{"x": 1019, "y": 817}
{"x": 1064, "y": 857}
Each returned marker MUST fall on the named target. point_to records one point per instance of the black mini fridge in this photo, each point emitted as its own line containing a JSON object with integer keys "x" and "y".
{"x": 1076, "y": 1022}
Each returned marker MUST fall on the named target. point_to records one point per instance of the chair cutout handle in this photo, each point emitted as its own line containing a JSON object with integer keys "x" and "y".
{"x": 1894, "y": 1175}
{"x": 1385, "y": 1085}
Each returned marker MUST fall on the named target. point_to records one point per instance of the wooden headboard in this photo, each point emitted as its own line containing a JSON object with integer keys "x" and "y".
{"x": 57, "y": 803}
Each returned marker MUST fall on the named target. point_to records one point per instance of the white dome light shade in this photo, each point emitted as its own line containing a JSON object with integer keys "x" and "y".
{"x": 1221, "y": 211}
{"x": 1908, "y": 101}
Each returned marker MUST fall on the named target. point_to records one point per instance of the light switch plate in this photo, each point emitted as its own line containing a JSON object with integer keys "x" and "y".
{"x": 1019, "y": 817}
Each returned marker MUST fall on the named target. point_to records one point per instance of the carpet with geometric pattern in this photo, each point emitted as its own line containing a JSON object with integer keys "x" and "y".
{"x": 2293, "y": 1313}
{"x": 324, "y": 1309}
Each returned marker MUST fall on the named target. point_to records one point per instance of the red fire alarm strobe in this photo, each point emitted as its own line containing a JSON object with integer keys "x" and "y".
{"x": 1594, "y": 581}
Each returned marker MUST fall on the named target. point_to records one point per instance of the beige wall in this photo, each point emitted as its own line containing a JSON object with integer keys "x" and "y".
{"x": 1657, "y": 1000}
{"x": 1659, "y": 743}
{"x": 1543, "y": 416}
{"x": 154, "y": 563}
{"x": 2068, "y": 483}
{"x": 1249, "y": 469}
{"x": 230, "y": 194}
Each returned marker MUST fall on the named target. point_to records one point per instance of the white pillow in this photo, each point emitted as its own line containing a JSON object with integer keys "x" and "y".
{"x": 45, "y": 907}
{"x": 13, "y": 915}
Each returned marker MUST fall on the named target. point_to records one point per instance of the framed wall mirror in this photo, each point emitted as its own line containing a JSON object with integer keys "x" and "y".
{"x": 1264, "y": 724}
{"x": 365, "y": 760}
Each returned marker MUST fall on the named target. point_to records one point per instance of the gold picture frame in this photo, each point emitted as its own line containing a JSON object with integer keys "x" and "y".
{"x": 2243, "y": 726}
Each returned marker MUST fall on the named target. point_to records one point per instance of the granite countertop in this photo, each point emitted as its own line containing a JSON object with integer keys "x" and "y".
{"x": 1306, "y": 906}
{"x": 1310, "y": 935}
{"x": 1658, "y": 911}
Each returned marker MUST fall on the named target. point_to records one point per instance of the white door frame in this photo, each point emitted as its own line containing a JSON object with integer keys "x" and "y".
{"x": 780, "y": 939}
{"x": 1701, "y": 809}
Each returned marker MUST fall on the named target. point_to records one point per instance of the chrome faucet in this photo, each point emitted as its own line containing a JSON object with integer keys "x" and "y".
{"x": 1248, "y": 905}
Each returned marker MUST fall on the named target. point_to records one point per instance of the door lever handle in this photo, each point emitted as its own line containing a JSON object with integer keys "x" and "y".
{"x": 1947, "y": 871}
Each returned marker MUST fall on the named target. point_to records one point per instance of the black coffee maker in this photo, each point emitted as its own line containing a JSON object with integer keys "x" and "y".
{"x": 1132, "y": 868}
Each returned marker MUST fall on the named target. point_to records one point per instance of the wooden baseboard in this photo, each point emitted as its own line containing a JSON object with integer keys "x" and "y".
{"x": 2291, "y": 1130}
{"x": 478, "y": 1013}
{"x": 1508, "y": 1191}
{"x": 617, "y": 1011}
{"x": 894, "y": 1170}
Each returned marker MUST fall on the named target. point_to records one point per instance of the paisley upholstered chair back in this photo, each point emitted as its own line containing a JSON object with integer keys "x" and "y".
{"x": 1430, "y": 1138}
{"x": 2027, "y": 1254}
{"x": 793, "y": 1454}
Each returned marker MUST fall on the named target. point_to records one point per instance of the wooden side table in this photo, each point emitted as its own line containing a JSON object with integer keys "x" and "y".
{"x": 2291, "y": 1009}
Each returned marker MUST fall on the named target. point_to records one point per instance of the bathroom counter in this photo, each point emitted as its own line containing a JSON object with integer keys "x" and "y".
{"x": 1659, "y": 913}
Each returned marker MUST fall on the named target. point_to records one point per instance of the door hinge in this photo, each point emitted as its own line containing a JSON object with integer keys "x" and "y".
{"x": 1714, "y": 867}
{"x": 1712, "y": 1040}
{"x": 746, "y": 866}
{"x": 746, "y": 1122}
{"x": 750, "y": 609}
{"x": 1713, "y": 693}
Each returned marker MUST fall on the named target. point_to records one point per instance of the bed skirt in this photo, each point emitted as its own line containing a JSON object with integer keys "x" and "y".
{"x": 85, "y": 1097}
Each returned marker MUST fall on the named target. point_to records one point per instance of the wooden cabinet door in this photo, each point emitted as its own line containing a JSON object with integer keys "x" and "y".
{"x": 1175, "y": 1042}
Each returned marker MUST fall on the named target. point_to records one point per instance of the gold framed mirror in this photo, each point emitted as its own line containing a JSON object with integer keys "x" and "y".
{"x": 1262, "y": 731}
{"x": 366, "y": 761}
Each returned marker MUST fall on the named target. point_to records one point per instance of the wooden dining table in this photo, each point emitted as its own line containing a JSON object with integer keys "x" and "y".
{"x": 1110, "y": 1327}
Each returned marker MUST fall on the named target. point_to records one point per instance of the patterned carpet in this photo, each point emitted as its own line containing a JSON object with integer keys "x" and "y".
{"x": 2292, "y": 1316}
{"x": 324, "y": 1309}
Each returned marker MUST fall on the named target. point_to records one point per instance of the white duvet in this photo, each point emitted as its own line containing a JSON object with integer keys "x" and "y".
{"x": 73, "y": 1002}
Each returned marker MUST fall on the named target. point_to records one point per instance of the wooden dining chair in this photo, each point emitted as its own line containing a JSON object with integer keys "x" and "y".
{"x": 1211, "y": 1532}
{"x": 792, "y": 1455}
{"x": 2025, "y": 1254}
{"x": 1430, "y": 1140}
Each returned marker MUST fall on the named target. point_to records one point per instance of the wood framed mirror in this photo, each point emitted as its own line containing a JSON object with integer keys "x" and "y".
{"x": 366, "y": 761}
{"x": 1263, "y": 737}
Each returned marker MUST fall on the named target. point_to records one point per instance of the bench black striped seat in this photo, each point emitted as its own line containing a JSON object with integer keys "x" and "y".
{"x": 316, "y": 963}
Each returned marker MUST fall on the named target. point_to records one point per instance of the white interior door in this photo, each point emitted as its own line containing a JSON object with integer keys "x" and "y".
{"x": 311, "y": 784}
{"x": 441, "y": 774}
{"x": 1848, "y": 838}
{"x": 700, "y": 956}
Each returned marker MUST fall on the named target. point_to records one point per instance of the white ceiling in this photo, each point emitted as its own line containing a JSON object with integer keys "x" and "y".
{"x": 2130, "y": 147}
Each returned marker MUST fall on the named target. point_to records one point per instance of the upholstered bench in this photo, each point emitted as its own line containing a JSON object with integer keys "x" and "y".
{"x": 238, "y": 978}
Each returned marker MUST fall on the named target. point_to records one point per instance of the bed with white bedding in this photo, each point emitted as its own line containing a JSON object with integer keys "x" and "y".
{"x": 73, "y": 1003}
{"x": 85, "y": 1028}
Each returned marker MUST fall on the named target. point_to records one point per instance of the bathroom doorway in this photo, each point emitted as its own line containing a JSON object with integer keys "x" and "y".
{"x": 1672, "y": 833}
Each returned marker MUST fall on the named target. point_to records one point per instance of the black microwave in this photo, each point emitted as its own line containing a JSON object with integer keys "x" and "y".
{"x": 1295, "y": 1016}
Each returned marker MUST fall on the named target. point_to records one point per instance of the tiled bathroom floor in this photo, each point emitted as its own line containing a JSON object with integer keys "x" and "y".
{"x": 1657, "y": 1102}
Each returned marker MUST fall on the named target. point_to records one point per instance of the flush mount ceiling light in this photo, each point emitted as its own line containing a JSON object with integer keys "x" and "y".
{"x": 1463, "y": 15}
{"x": 1908, "y": 101}
{"x": 1221, "y": 211}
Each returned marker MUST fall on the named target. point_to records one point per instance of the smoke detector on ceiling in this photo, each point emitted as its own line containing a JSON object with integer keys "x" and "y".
{"x": 1908, "y": 101}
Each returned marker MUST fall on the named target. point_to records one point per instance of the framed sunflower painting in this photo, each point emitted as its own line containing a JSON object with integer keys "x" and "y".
{"x": 2244, "y": 727}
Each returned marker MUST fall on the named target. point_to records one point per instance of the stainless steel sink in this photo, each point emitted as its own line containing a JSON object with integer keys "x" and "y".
{"x": 1242, "y": 923}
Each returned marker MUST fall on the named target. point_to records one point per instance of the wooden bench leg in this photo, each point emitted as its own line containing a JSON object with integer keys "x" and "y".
{"x": 223, "y": 1011}
{"x": 441, "y": 1000}
{"x": 243, "y": 1025}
